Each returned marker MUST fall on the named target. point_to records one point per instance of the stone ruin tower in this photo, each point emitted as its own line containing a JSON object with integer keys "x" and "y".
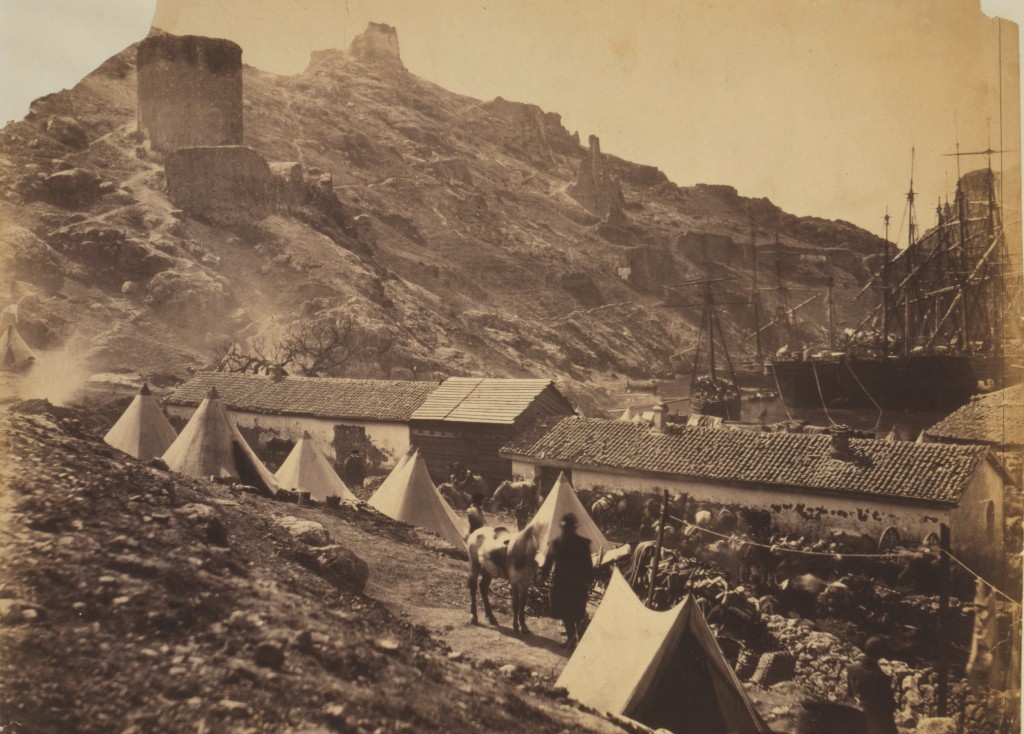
{"x": 596, "y": 189}
{"x": 190, "y": 91}
{"x": 378, "y": 44}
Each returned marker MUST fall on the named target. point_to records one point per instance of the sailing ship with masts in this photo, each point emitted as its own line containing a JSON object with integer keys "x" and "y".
{"x": 940, "y": 330}
{"x": 713, "y": 387}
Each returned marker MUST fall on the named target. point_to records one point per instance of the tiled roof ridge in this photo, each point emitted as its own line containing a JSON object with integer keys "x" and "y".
{"x": 901, "y": 470}
{"x": 327, "y": 397}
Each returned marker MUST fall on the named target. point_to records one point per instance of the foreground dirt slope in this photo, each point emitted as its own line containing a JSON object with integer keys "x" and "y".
{"x": 135, "y": 600}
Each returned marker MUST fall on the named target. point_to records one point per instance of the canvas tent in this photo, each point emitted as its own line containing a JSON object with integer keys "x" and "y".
{"x": 560, "y": 500}
{"x": 306, "y": 470}
{"x": 15, "y": 354}
{"x": 210, "y": 445}
{"x": 663, "y": 669}
{"x": 142, "y": 430}
{"x": 409, "y": 495}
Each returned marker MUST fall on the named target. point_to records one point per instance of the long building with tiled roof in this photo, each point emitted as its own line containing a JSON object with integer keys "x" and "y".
{"x": 996, "y": 419}
{"x": 802, "y": 479}
{"x": 929, "y": 472}
{"x": 341, "y": 415}
{"x": 322, "y": 397}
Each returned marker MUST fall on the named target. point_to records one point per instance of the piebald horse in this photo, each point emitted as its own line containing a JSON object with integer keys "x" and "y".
{"x": 498, "y": 553}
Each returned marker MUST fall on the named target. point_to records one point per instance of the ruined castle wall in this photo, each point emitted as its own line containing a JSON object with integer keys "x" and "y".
{"x": 222, "y": 184}
{"x": 190, "y": 91}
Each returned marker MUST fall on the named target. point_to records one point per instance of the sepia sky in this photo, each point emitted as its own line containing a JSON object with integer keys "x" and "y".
{"x": 813, "y": 103}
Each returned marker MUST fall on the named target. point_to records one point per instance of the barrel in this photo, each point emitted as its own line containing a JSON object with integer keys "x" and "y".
{"x": 817, "y": 717}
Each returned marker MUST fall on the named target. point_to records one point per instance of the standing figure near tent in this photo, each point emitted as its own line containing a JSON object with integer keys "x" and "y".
{"x": 872, "y": 687}
{"x": 475, "y": 513}
{"x": 355, "y": 470}
{"x": 573, "y": 574}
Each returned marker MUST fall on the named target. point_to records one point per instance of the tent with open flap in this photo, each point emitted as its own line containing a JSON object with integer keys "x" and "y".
{"x": 409, "y": 495}
{"x": 306, "y": 470}
{"x": 211, "y": 445}
{"x": 560, "y": 500}
{"x": 142, "y": 430}
{"x": 663, "y": 669}
{"x": 15, "y": 354}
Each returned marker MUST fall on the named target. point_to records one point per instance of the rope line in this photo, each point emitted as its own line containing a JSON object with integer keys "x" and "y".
{"x": 814, "y": 369}
{"x": 982, "y": 579}
{"x": 870, "y": 396}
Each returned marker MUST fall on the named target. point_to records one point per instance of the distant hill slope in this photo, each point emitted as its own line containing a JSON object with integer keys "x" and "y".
{"x": 466, "y": 240}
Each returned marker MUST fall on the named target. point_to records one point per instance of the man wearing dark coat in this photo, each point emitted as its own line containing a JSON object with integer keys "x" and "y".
{"x": 355, "y": 471}
{"x": 569, "y": 554}
{"x": 871, "y": 686}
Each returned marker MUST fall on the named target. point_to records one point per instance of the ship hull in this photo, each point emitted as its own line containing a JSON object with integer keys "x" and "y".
{"x": 927, "y": 382}
{"x": 727, "y": 409}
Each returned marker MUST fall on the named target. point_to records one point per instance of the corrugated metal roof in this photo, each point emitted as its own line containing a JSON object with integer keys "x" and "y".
{"x": 900, "y": 469}
{"x": 996, "y": 419}
{"x": 481, "y": 399}
{"x": 321, "y": 397}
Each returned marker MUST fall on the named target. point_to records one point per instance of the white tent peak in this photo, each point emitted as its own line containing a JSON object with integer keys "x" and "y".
{"x": 663, "y": 669}
{"x": 409, "y": 495}
{"x": 211, "y": 445}
{"x": 142, "y": 430}
{"x": 306, "y": 470}
{"x": 560, "y": 500}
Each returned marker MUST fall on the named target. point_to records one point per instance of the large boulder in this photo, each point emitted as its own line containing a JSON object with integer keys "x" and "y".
{"x": 943, "y": 725}
{"x": 305, "y": 531}
{"x": 107, "y": 251}
{"x": 188, "y": 298}
{"x": 68, "y": 131}
{"x": 72, "y": 187}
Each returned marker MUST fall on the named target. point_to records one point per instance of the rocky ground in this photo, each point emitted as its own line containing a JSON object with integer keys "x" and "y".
{"x": 135, "y": 600}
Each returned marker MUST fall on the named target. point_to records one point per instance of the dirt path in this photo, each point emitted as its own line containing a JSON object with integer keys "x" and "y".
{"x": 428, "y": 588}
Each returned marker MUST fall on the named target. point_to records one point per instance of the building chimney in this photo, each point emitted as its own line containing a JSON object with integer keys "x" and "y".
{"x": 660, "y": 413}
{"x": 841, "y": 436}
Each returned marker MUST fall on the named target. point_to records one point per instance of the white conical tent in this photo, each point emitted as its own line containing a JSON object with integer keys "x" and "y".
{"x": 409, "y": 495}
{"x": 663, "y": 669}
{"x": 210, "y": 445}
{"x": 306, "y": 470}
{"x": 14, "y": 352}
{"x": 142, "y": 430}
{"x": 560, "y": 500}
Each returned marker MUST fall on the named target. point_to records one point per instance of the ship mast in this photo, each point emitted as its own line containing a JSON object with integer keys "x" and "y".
{"x": 908, "y": 326}
{"x": 885, "y": 288}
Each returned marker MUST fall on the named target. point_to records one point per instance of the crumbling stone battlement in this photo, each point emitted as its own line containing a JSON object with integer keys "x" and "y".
{"x": 378, "y": 44}
{"x": 190, "y": 91}
{"x": 229, "y": 184}
{"x": 596, "y": 189}
{"x": 222, "y": 184}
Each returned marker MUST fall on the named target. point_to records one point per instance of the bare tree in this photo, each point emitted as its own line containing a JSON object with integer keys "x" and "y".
{"x": 325, "y": 346}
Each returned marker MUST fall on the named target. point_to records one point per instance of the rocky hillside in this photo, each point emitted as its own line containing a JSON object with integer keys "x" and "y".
{"x": 447, "y": 234}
